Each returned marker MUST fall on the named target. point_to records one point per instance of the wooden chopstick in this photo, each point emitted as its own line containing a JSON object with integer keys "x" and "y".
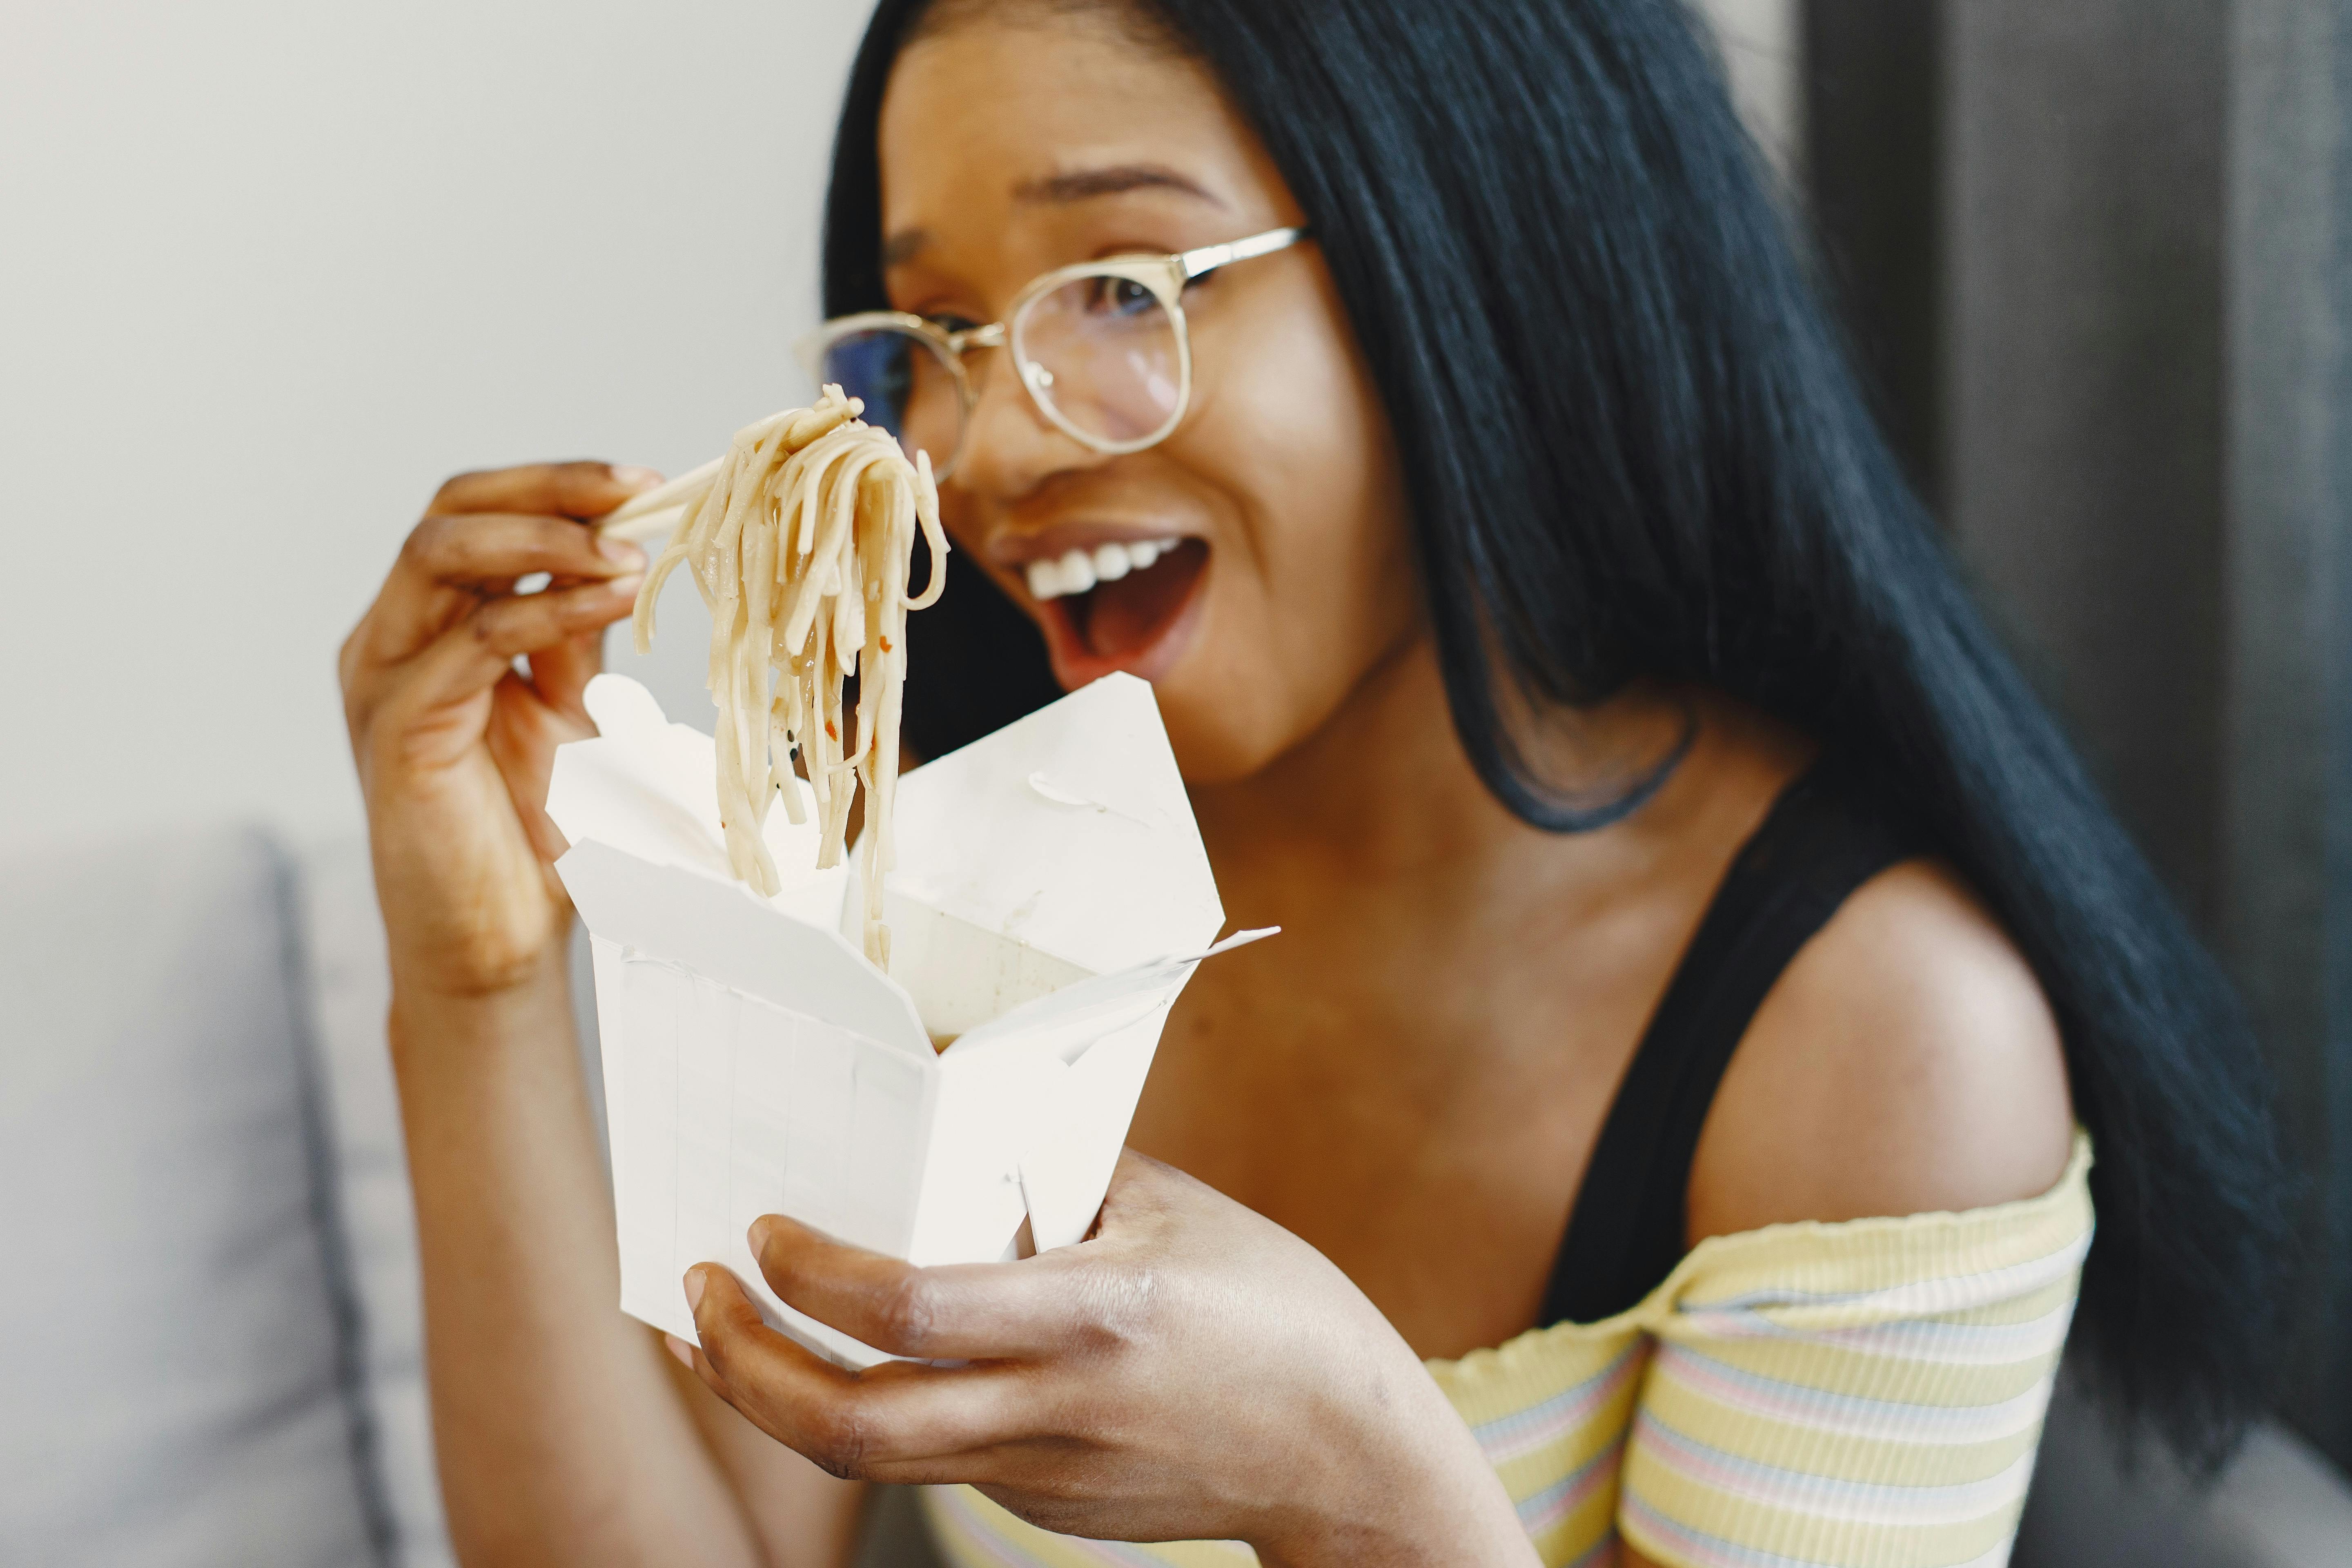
{"x": 649, "y": 520}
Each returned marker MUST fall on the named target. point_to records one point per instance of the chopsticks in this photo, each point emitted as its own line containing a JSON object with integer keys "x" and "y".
{"x": 649, "y": 520}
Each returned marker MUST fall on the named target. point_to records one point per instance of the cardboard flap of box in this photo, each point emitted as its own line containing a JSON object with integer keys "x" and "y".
{"x": 1064, "y": 1021}
{"x": 730, "y": 935}
{"x": 1089, "y": 1047}
{"x": 1068, "y": 831}
{"x": 1060, "y": 847}
{"x": 650, "y": 788}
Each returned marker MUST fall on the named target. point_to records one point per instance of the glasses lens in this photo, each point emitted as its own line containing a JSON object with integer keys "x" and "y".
{"x": 1103, "y": 352}
{"x": 907, "y": 386}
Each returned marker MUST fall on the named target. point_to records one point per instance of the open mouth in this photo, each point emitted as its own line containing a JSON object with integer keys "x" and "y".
{"x": 1117, "y": 606}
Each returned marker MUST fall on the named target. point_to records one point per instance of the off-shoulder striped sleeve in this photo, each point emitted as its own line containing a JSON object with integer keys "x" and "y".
{"x": 1860, "y": 1395}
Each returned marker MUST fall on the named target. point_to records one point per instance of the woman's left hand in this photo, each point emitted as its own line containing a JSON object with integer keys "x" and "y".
{"x": 1192, "y": 1371}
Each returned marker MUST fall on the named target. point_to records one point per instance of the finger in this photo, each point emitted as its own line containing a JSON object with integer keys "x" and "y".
{"x": 1142, "y": 1188}
{"x": 561, "y": 672}
{"x": 523, "y": 734}
{"x": 476, "y": 653}
{"x": 964, "y": 1311}
{"x": 481, "y": 549}
{"x": 851, "y": 1424}
{"x": 566, "y": 490}
{"x": 448, "y": 562}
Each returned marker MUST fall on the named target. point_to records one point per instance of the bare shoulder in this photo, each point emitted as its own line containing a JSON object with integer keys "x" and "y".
{"x": 1906, "y": 1061}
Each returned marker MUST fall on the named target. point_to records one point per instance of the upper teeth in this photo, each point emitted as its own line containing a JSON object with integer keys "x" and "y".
{"x": 1078, "y": 571}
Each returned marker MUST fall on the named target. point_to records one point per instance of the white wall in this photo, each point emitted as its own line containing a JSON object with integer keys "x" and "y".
{"x": 1762, "y": 46}
{"x": 272, "y": 268}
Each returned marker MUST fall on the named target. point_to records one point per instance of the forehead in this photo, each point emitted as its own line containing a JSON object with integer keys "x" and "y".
{"x": 990, "y": 123}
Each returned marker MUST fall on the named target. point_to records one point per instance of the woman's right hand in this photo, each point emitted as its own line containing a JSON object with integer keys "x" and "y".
{"x": 454, "y": 744}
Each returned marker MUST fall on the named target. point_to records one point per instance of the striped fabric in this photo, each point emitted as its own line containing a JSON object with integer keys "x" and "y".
{"x": 1867, "y": 1394}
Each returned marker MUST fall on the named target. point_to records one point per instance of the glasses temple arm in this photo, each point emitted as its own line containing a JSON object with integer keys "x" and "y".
{"x": 1208, "y": 258}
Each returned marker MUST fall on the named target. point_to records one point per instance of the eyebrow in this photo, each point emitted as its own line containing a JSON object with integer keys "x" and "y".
{"x": 1117, "y": 179}
{"x": 1056, "y": 190}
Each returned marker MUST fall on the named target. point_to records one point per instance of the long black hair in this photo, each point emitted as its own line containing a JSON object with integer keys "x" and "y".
{"x": 1633, "y": 447}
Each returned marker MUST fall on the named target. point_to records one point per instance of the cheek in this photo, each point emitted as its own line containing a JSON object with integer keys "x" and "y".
{"x": 1318, "y": 586}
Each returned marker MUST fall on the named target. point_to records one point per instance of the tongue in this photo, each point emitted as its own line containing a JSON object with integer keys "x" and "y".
{"x": 1131, "y": 613}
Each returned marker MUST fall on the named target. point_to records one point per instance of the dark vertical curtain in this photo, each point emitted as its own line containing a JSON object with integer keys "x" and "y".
{"x": 2096, "y": 260}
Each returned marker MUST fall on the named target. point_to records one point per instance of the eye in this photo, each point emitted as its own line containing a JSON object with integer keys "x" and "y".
{"x": 951, "y": 324}
{"x": 1119, "y": 297}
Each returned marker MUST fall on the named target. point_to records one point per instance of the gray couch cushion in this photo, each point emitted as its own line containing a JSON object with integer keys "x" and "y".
{"x": 343, "y": 941}
{"x": 177, "y": 1370}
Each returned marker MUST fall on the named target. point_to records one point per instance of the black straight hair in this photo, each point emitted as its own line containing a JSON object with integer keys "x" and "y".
{"x": 1633, "y": 447}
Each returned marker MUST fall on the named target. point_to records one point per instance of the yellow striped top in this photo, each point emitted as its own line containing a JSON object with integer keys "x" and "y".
{"x": 1862, "y": 1395}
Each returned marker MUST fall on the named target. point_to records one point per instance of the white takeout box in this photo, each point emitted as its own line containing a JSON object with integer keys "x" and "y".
{"x": 1051, "y": 900}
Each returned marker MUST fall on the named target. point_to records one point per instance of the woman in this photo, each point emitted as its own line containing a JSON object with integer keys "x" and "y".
{"x": 1669, "y": 862}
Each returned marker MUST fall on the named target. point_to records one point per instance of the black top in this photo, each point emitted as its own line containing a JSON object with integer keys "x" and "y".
{"x": 1818, "y": 843}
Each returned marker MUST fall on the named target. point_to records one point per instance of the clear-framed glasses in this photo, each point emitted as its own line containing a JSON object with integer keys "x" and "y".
{"x": 1101, "y": 348}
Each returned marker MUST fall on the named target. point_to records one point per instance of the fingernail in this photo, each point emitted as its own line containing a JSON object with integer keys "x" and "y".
{"x": 634, "y": 476}
{"x": 626, "y": 587}
{"x": 621, "y": 552}
{"x": 693, "y": 1288}
{"x": 680, "y": 1349}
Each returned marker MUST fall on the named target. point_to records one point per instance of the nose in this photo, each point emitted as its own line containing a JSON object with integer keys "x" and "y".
{"x": 1010, "y": 448}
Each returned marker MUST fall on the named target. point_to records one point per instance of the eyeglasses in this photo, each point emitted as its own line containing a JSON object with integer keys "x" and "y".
{"x": 1101, "y": 348}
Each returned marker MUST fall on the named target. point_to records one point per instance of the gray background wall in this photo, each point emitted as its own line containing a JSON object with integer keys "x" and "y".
{"x": 273, "y": 270}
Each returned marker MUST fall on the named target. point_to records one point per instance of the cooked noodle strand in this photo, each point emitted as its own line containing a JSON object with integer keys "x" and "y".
{"x": 802, "y": 545}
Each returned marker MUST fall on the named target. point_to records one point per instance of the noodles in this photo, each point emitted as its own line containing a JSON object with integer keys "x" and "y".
{"x": 802, "y": 547}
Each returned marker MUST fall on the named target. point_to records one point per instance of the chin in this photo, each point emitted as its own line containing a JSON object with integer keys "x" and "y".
{"x": 1223, "y": 723}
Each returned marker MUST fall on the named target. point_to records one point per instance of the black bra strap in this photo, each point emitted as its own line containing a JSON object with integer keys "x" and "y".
{"x": 1625, "y": 1233}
